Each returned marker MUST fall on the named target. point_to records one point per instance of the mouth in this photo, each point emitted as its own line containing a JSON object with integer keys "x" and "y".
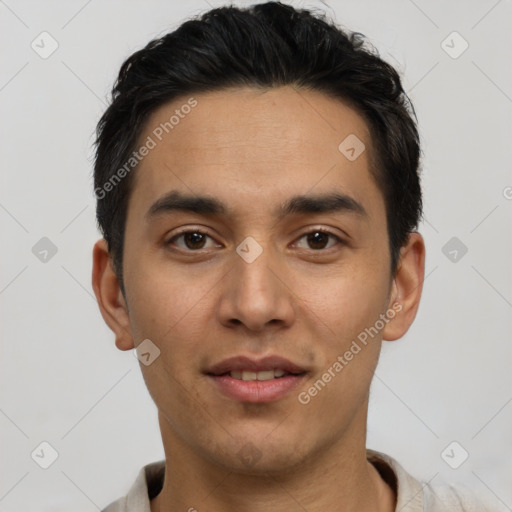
{"x": 248, "y": 375}
{"x": 256, "y": 381}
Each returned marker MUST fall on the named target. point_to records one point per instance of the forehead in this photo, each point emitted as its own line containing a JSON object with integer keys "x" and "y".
{"x": 275, "y": 142}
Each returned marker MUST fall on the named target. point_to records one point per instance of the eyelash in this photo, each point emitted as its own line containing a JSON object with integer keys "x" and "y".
{"x": 201, "y": 232}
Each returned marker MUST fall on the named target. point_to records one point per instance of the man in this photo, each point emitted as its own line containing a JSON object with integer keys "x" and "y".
{"x": 257, "y": 177}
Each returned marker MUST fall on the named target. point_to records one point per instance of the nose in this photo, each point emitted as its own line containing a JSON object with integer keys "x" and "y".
{"x": 256, "y": 294}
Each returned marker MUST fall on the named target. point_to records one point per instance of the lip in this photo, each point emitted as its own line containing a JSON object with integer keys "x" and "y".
{"x": 256, "y": 391}
{"x": 240, "y": 363}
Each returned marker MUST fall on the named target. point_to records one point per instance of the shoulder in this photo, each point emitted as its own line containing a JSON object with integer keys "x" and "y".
{"x": 447, "y": 498}
{"x": 116, "y": 506}
{"x": 416, "y": 496}
{"x": 147, "y": 485}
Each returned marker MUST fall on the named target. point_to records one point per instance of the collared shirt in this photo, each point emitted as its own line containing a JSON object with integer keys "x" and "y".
{"x": 412, "y": 495}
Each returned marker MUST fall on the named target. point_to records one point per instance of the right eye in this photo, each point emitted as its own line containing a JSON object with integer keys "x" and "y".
{"x": 192, "y": 240}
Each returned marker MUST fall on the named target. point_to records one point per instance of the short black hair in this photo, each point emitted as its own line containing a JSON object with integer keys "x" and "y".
{"x": 263, "y": 46}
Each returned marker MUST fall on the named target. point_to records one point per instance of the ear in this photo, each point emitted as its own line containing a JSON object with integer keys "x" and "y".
{"x": 109, "y": 296}
{"x": 406, "y": 288}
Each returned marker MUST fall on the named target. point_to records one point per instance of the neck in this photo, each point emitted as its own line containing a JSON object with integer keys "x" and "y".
{"x": 339, "y": 477}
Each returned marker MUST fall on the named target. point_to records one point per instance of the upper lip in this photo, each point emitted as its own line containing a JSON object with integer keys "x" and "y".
{"x": 240, "y": 363}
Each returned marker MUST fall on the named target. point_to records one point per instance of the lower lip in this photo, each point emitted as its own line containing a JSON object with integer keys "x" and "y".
{"x": 256, "y": 391}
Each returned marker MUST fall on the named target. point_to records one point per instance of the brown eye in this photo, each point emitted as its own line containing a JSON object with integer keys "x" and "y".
{"x": 194, "y": 240}
{"x": 191, "y": 240}
{"x": 319, "y": 239}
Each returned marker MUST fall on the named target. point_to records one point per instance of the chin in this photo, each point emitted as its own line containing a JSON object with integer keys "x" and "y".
{"x": 253, "y": 455}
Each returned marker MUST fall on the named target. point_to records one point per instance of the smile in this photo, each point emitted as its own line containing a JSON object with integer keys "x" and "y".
{"x": 246, "y": 379}
{"x": 248, "y": 375}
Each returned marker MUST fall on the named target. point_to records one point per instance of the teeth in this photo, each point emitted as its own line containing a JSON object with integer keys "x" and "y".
{"x": 248, "y": 375}
{"x": 266, "y": 375}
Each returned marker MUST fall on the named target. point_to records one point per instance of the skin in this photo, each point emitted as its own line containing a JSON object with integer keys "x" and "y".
{"x": 253, "y": 150}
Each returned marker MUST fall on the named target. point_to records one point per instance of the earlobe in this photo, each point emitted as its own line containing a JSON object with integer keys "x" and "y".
{"x": 110, "y": 299}
{"x": 406, "y": 288}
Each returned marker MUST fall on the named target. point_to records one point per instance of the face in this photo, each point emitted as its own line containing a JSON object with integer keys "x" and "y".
{"x": 256, "y": 249}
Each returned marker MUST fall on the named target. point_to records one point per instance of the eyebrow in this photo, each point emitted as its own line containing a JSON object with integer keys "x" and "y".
{"x": 300, "y": 204}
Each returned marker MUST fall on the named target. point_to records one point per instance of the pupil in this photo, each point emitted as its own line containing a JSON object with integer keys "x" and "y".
{"x": 316, "y": 238}
{"x": 195, "y": 239}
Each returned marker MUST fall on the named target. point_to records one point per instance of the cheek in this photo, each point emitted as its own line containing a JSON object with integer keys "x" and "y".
{"x": 340, "y": 311}
{"x": 172, "y": 309}
{"x": 166, "y": 301}
{"x": 346, "y": 301}
{"x": 169, "y": 311}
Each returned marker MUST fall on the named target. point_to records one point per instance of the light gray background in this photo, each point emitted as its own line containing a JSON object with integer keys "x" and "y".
{"x": 62, "y": 379}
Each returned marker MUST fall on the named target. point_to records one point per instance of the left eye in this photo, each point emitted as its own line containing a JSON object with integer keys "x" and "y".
{"x": 319, "y": 239}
